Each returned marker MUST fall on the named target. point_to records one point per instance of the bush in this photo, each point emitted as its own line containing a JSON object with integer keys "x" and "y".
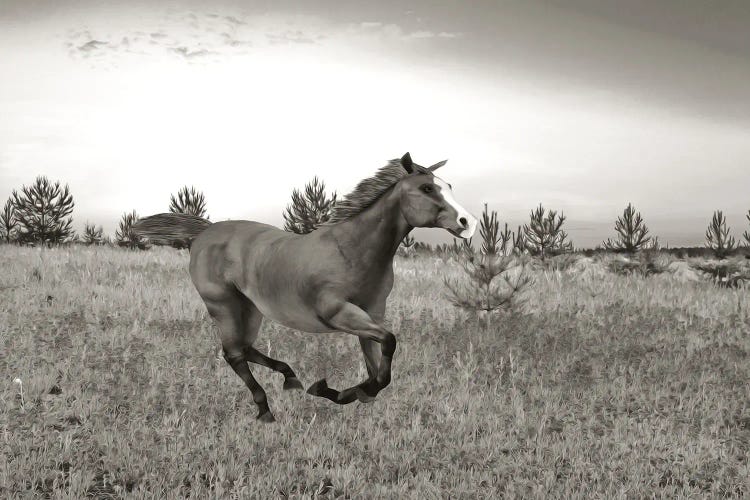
{"x": 560, "y": 263}
{"x": 544, "y": 236}
{"x": 188, "y": 201}
{"x": 493, "y": 280}
{"x": 406, "y": 248}
{"x": 42, "y": 212}
{"x": 491, "y": 285}
{"x": 126, "y": 237}
{"x": 724, "y": 273}
{"x": 310, "y": 209}
{"x": 92, "y": 235}
{"x": 644, "y": 264}
{"x": 632, "y": 233}
{"x": 8, "y": 222}
{"x": 718, "y": 238}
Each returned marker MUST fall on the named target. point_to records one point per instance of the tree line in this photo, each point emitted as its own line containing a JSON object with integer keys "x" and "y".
{"x": 41, "y": 214}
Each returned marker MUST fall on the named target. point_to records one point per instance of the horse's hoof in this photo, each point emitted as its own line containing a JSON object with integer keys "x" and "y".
{"x": 318, "y": 387}
{"x": 266, "y": 417}
{"x": 363, "y": 397}
{"x": 292, "y": 383}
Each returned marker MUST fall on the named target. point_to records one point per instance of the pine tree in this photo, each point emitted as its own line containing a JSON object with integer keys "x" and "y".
{"x": 632, "y": 233}
{"x": 519, "y": 242}
{"x": 718, "y": 238}
{"x": 188, "y": 201}
{"x": 544, "y": 236}
{"x": 407, "y": 247}
{"x": 92, "y": 235}
{"x": 461, "y": 248}
{"x": 310, "y": 209}
{"x": 42, "y": 211}
{"x": 490, "y": 284}
{"x": 126, "y": 237}
{"x": 489, "y": 230}
{"x": 8, "y": 222}
{"x": 746, "y": 234}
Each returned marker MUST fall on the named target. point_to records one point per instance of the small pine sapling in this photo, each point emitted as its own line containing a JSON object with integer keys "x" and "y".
{"x": 308, "y": 209}
{"x": 544, "y": 236}
{"x": 718, "y": 238}
{"x": 126, "y": 236}
{"x": 92, "y": 235}
{"x": 632, "y": 233}
{"x": 490, "y": 284}
{"x": 42, "y": 211}
{"x": 407, "y": 246}
{"x": 8, "y": 222}
{"x": 188, "y": 201}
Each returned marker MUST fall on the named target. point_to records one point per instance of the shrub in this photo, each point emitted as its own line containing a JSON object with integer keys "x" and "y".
{"x": 310, "y": 209}
{"x": 632, "y": 233}
{"x": 406, "y": 248}
{"x": 544, "y": 236}
{"x": 92, "y": 235}
{"x": 718, "y": 238}
{"x": 646, "y": 263}
{"x": 42, "y": 212}
{"x": 8, "y": 222}
{"x": 725, "y": 273}
{"x": 125, "y": 236}
{"x": 188, "y": 201}
{"x": 560, "y": 263}
{"x": 493, "y": 279}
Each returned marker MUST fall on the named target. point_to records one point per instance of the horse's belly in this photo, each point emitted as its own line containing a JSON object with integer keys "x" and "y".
{"x": 292, "y": 315}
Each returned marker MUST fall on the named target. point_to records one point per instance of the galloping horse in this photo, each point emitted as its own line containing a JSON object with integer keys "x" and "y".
{"x": 336, "y": 278}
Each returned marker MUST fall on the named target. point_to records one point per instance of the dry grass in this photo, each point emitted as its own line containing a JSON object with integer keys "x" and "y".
{"x": 602, "y": 386}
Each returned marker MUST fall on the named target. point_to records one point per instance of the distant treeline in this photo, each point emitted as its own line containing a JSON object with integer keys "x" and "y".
{"x": 41, "y": 214}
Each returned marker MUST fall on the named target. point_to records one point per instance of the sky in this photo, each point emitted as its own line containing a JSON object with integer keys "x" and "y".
{"x": 581, "y": 105}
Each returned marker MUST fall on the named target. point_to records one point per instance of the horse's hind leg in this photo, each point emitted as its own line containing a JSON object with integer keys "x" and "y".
{"x": 290, "y": 378}
{"x": 229, "y": 311}
{"x": 252, "y": 320}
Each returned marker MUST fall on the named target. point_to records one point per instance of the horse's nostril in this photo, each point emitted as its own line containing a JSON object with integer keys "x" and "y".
{"x": 463, "y": 221}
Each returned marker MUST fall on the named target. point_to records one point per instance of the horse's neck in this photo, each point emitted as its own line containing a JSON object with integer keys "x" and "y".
{"x": 373, "y": 236}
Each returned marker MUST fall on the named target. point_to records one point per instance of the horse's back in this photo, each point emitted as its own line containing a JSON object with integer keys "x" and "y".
{"x": 216, "y": 255}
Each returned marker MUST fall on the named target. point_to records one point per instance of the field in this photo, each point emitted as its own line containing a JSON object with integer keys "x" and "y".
{"x": 599, "y": 386}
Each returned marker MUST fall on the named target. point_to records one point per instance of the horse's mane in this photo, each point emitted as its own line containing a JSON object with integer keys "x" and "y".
{"x": 367, "y": 191}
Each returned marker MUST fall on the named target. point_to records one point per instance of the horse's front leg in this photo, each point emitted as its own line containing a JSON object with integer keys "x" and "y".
{"x": 347, "y": 317}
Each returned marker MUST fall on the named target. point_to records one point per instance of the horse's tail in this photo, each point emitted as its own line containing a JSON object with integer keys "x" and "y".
{"x": 171, "y": 228}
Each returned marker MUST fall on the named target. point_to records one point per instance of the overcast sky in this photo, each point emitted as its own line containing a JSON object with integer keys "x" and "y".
{"x": 582, "y": 105}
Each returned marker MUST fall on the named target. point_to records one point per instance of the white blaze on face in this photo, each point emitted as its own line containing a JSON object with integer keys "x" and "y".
{"x": 471, "y": 221}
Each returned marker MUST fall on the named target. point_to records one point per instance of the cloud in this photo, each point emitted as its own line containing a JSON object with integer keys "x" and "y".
{"x": 190, "y": 54}
{"x": 91, "y": 46}
{"x": 192, "y": 36}
{"x": 395, "y": 32}
{"x": 293, "y": 37}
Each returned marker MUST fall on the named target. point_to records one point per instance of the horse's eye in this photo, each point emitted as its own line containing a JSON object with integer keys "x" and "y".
{"x": 427, "y": 188}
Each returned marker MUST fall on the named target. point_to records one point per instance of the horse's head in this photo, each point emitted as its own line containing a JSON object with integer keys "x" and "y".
{"x": 427, "y": 201}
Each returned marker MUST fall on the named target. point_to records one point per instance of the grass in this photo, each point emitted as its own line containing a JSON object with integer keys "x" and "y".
{"x": 600, "y": 386}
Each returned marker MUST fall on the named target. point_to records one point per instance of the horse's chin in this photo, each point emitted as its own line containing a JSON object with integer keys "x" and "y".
{"x": 457, "y": 234}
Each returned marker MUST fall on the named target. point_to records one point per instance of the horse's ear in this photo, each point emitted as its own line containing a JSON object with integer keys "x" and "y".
{"x": 407, "y": 163}
{"x": 437, "y": 165}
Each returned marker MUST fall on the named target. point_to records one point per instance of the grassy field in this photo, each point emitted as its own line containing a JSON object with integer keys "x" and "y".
{"x": 599, "y": 386}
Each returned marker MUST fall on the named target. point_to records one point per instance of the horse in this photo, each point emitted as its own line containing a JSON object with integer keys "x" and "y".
{"x": 335, "y": 278}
